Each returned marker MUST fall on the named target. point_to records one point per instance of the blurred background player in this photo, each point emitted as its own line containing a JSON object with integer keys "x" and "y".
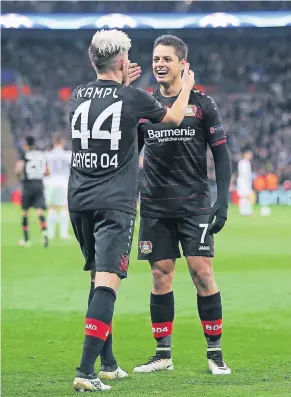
{"x": 31, "y": 169}
{"x": 244, "y": 183}
{"x": 56, "y": 188}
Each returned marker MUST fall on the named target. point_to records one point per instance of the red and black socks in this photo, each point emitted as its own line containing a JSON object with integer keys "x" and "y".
{"x": 210, "y": 312}
{"x": 162, "y": 315}
{"x": 97, "y": 326}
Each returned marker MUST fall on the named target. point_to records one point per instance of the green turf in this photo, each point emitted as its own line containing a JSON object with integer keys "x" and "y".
{"x": 44, "y": 295}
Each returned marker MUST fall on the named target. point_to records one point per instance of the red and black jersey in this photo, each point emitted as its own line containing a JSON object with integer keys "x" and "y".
{"x": 104, "y": 117}
{"x": 175, "y": 164}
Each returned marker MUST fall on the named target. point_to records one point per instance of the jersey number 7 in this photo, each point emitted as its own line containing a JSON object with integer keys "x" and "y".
{"x": 114, "y": 136}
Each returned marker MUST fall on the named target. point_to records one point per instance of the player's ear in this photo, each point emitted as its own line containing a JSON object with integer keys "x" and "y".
{"x": 183, "y": 63}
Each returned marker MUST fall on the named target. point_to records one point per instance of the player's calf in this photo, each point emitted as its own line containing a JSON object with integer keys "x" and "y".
{"x": 162, "y": 315}
{"x": 25, "y": 230}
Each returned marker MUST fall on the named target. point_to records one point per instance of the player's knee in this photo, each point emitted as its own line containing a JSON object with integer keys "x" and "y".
{"x": 200, "y": 268}
{"x": 162, "y": 274}
{"x": 39, "y": 211}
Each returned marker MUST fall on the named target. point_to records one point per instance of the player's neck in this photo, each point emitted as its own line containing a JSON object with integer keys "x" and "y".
{"x": 110, "y": 76}
{"x": 171, "y": 90}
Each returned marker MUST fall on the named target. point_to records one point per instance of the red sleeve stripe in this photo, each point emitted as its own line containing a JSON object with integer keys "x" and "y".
{"x": 220, "y": 142}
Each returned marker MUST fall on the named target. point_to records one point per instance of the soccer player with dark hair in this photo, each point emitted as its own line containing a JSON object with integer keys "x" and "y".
{"x": 102, "y": 192}
{"x": 176, "y": 205}
{"x": 31, "y": 168}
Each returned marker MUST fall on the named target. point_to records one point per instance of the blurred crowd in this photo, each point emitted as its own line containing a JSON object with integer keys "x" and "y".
{"x": 141, "y": 6}
{"x": 249, "y": 78}
{"x": 49, "y": 63}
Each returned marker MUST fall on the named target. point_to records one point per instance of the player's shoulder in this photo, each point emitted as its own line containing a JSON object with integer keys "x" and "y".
{"x": 139, "y": 95}
{"x": 81, "y": 88}
{"x": 201, "y": 97}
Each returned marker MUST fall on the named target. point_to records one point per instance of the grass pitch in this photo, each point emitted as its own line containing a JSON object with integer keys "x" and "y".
{"x": 45, "y": 291}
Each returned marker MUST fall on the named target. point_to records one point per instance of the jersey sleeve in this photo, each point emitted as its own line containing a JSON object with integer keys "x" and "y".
{"x": 148, "y": 107}
{"x": 214, "y": 128}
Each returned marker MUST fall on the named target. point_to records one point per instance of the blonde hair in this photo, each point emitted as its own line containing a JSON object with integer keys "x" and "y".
{"x": 105, "y": 45}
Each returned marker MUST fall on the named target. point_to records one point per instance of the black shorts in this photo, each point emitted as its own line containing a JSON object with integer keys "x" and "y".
{"x": 159, "y": 238}
{"x": 33, "y": 198}
{"x": 105, "y": 238}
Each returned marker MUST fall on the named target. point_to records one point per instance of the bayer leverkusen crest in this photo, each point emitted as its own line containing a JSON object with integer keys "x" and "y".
{"x": 145, "y": 247}
{"x": 194, "y": 111}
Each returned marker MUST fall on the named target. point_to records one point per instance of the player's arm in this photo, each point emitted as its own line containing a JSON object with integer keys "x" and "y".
{"x": 217, "y": 141}
{"x": 19, "y": 168}
{"x": 176, "y": 113}
{"x": 140, "y": 136}
{"x": 154, "y": 111}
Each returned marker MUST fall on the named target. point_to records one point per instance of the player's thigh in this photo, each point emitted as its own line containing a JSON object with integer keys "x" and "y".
{"x": 48, "y": 192}
{"x": 158, "y": 239}
{"x": 60, "y": 196}
{"x": 39, "y": 199}
{"x": 26, "y": 201}
{"x": 113, "y": 231}
{"x": 195, "y": 237}
{"x": 83, "y": 226}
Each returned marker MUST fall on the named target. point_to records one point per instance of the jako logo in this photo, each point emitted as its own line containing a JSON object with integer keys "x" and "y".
{"x": 91, "y": 326}
{"x": 171, "y": 133}
{"x": 204, "y": 248}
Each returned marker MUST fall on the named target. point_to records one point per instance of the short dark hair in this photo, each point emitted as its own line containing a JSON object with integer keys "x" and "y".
{"x": 30, "y": 141}
{"x": 181, "y": 48}
{"x": 247, "y": 148}
{"x": 102, "y": 63}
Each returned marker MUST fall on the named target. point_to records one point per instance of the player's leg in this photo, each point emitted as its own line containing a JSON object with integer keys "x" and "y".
{"x": 245, "y": 202}
{"x": 108, "y": 360}
{"x": 26, "y": 202}
{"x": 111, "y": 266}
{"x": 121, "y": 240}
{"x": 64, "y": 213}
{"x": 86, "y": 379}
{"x": 64, "y": 223}
{"x": 25, "y": 229}
{"x": 43, "y": 226}
{"x": 198, "y": 248}
{"x": 52, "y": 215}
{"x": 40, "y": 205}
{"x": 157, "y": 250}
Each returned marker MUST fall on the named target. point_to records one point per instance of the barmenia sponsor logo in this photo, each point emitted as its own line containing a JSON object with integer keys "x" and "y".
{"x": 171, "y": 133}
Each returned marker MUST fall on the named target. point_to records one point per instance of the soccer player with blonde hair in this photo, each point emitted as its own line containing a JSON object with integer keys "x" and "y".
{"x": 102, "y": 192}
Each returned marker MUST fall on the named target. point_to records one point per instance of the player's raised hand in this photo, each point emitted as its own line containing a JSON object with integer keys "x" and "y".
{"x": 218, "y": 211}
{"x": 134, "y": 72}
{"x": 188, "y": 78}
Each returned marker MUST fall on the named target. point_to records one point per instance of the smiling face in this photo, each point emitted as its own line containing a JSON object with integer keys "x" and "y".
{"x": 167, "y": 66}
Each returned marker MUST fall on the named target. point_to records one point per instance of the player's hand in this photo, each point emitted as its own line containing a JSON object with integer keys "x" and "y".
{"x": 219, "y": 211}
{"x": 188, "y": 78}
{"x": 134, "y": 72}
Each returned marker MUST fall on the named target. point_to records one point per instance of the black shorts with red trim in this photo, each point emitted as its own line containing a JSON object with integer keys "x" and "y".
{"x": 105, "y": 238}
{"x": 159, "y": 238}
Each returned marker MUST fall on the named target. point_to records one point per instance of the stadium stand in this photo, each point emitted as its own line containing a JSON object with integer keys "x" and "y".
{"x": 248, "y": 73}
